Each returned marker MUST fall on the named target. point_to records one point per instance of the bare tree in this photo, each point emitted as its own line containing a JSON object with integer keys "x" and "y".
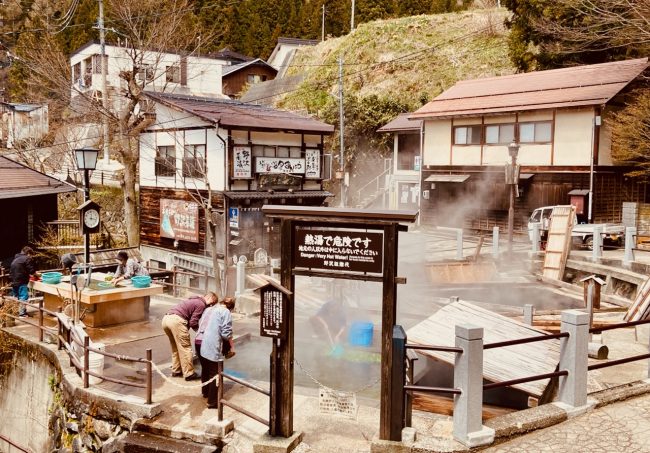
{"x": 146, "y": 30}
{"x": 598, "y": 25}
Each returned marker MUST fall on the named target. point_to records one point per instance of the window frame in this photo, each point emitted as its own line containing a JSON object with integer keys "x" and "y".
{"x": 191, "y": 169}
{"x": 469, "y": 126}
{"x": 163, "y": 163}
{"x": 535, "y": 141}
{"x": 173, "y": 73}
{"x": 499, "y": 141}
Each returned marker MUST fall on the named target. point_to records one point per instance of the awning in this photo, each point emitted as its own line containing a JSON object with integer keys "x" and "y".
{"x": 582, "y": 192}
{"x": 263, "y": 194}
{"x": 447, "y": 178}
{"x": 526, "y": 176}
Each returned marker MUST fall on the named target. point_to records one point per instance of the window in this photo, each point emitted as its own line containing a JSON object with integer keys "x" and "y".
{"x": 539, "y": 132}
{"x": 194, "y": 161}
{"x": 467, "y": 135}
{"x": 253, "y": 78}
{"x": 499, "y": 134}
{"x": 97, "y": 63}
{"x": 173, "y": 74}
{"x": 88, "y": 72}
{"x": 408, "y": 147}
{"x": 165, "y": 161}
{"x": 145, "y": 72}
{"x": 76, "y": 72}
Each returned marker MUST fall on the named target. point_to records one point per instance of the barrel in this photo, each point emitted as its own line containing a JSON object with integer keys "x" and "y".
{"x": 360, "y": 334}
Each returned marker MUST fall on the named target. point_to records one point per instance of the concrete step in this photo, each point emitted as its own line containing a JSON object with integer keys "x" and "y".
{"x": 138, "y": 442}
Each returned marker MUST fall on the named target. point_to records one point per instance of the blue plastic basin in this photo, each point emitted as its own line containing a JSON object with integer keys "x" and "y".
{"x": 360, "y": 334}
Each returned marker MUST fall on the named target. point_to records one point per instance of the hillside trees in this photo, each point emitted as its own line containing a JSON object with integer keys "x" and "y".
{"x": 547, "y": 34}
{"x": 631, "y": 134}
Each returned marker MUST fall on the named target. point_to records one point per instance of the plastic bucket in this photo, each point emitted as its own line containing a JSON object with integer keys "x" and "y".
{"x": 360, "y": 334}
{"x": 96, "y": 365}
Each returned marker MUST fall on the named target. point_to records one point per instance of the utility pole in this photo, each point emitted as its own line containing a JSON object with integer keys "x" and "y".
{"x": 352, "y": 18}
{"x": 104, "y": 64}
{"x": 322, "y": 28}
{"x": 341, "y": 133}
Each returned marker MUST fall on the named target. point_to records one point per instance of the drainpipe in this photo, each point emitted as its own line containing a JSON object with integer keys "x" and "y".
{"x": 226, "y": 232}
{"x": 420, "y": 186}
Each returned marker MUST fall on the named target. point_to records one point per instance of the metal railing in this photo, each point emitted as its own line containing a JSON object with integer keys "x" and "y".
{"x": 66, "y": 337}
{"x": 374, "y": 187}
{"x": 221, "y": 402}
{"x": 176, "y": 276}
{"x": 635, "y": 358}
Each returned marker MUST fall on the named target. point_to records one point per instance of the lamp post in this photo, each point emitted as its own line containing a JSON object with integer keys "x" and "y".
{"x": 511, "y": 179}
{"x": 86, "y": 161}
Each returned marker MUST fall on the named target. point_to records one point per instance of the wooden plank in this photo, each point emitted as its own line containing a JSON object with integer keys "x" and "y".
{"x": 499, "y": 364}
{"x": 558, "y": 242}
{"x": 640, "y": 307}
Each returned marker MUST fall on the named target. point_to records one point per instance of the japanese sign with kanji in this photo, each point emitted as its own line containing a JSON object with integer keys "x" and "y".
{"x": 242, "y": 162}
{"x": 279, "y": 165}
{"x": 273, "y": 310}
{"x": 339, "y": 250}
{"x": 179, "y": 220}
{"x": 312, "y": 163}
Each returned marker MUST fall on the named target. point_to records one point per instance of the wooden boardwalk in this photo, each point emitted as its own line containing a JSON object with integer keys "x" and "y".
{"x": 499, "y": 364}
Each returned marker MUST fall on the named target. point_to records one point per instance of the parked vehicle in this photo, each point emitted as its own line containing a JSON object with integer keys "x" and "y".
{"x": 582, "y": 235}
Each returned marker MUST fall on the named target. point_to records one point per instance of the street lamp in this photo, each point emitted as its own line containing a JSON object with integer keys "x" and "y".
{"x": 86, "y": 159}
{"x": 511, "y": 179}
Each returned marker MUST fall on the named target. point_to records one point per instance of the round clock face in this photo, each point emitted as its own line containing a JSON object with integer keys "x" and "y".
{"x": 91, "y": 218}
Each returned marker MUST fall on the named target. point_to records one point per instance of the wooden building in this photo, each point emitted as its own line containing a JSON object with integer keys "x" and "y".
{"x": 28, "y": 199}
{"x": 559, "y": 118}
{"x": 245, "y": 156}
{"x": 236, "y": 77}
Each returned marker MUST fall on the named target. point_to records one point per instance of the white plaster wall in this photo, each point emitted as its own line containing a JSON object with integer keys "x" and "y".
{"x": 541, "y": 115}
{"x": 437, "y": 142}
{"x": 605, "y": 145}
{"x": 25, "y": 398}
{"x": 573, "y": 137}
{"x": 495, "y": 155}
{"x": 531, "y": 154}
{"x": 466, "y": 155}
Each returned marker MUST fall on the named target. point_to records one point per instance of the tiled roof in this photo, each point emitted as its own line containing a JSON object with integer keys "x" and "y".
{"x": 17, "y": 181}
{"x": 244, "y": 194}
{"x": 567, "y": 87}
{"x": 238, "y": 67}
{"x": 241, "y": 115}
{"x": 298, "y": 41}
{"x": 401, "y": 123}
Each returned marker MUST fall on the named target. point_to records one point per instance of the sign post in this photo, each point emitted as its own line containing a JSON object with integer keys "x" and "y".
{"x": 344, "y": 243}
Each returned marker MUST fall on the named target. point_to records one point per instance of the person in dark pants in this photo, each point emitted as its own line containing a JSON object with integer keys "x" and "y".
{"x": 217, "y": 332}
{"x": 176, "y": 324}
{"x": 227, "y": 347}
{"x": 22, "y": 268}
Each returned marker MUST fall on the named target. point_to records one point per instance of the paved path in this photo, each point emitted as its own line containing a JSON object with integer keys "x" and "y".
{"x": 619, "y": 427}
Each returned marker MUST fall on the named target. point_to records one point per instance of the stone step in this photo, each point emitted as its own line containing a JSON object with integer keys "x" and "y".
{"x": 139, "y": 442}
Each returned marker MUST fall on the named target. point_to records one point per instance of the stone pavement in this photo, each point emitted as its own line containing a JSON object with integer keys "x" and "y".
{"x": 619, "y": 427}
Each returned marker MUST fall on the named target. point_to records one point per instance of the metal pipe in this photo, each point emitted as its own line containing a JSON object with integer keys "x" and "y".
{"x": 86, "y": 235}
{"x": 526, "y": 379}
{"x": 421, "y": 388}
{"x": 500, "y": 344}
{"x": 149, "y": 377}
{"x": 342, "y": 130}
{"x": 597, "y": 366}
{"x": 416, "y": 347}
{"x": 246, "y": 384}
{"x": 245, "y": 412}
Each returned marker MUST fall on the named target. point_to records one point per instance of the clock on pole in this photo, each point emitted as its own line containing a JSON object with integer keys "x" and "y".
{"x": 89, "y": 217}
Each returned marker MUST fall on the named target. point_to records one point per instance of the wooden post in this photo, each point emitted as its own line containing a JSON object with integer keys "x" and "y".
{"x": 220, "y": 390}
{"x": 388, "y": 319}
{"x": 273, "y": 410}
{"x": 397, "y": 383}
{"x": 86, "y": 360}
{"x": 149, "y": 377}
{"x": 207, "y": 284}
{"x": 284, "y": 394}
{"x": 174, "y": 280}
{"x": 40, "y": 320}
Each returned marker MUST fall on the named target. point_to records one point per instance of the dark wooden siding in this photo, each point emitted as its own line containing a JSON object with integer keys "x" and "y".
{"x": 232, "y": 84}
{"x": 150, "y": 219}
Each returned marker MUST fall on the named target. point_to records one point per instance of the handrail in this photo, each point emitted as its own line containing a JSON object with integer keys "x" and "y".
{"x": 537, "y": 377}
{"x": 500, "y": 344}
{"x": 423, "y": 388}
{"x": 375, "y": 180}
{"x": 13, "y": 444}
{"x": 245, "y": 412}
{"x": 416, "y": 347}
{"x": 246, "y": 384}
{"x": 609, "y": 363}
{"x": 619, "y": 326}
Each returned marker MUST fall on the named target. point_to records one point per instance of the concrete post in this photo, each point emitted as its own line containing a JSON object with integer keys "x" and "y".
{"x": 241, "y": 278}
{"x": 573, "y": 358}
{"x": 529, "y": 313}
{"x": 630, "y": 242}
{"x": 536, "y": 238}
{"x": 495, "y": 242}
{"x": 468, "y": 377}
{"x": 597, "y": 251}
{"x": 459, "y": 244}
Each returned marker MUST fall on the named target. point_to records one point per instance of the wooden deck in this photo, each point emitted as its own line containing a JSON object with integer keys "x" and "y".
{"x": 500, "y": 364}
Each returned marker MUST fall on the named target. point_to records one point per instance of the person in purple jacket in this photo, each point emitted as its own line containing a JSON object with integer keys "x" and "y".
{"x": 176, "y": 324}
